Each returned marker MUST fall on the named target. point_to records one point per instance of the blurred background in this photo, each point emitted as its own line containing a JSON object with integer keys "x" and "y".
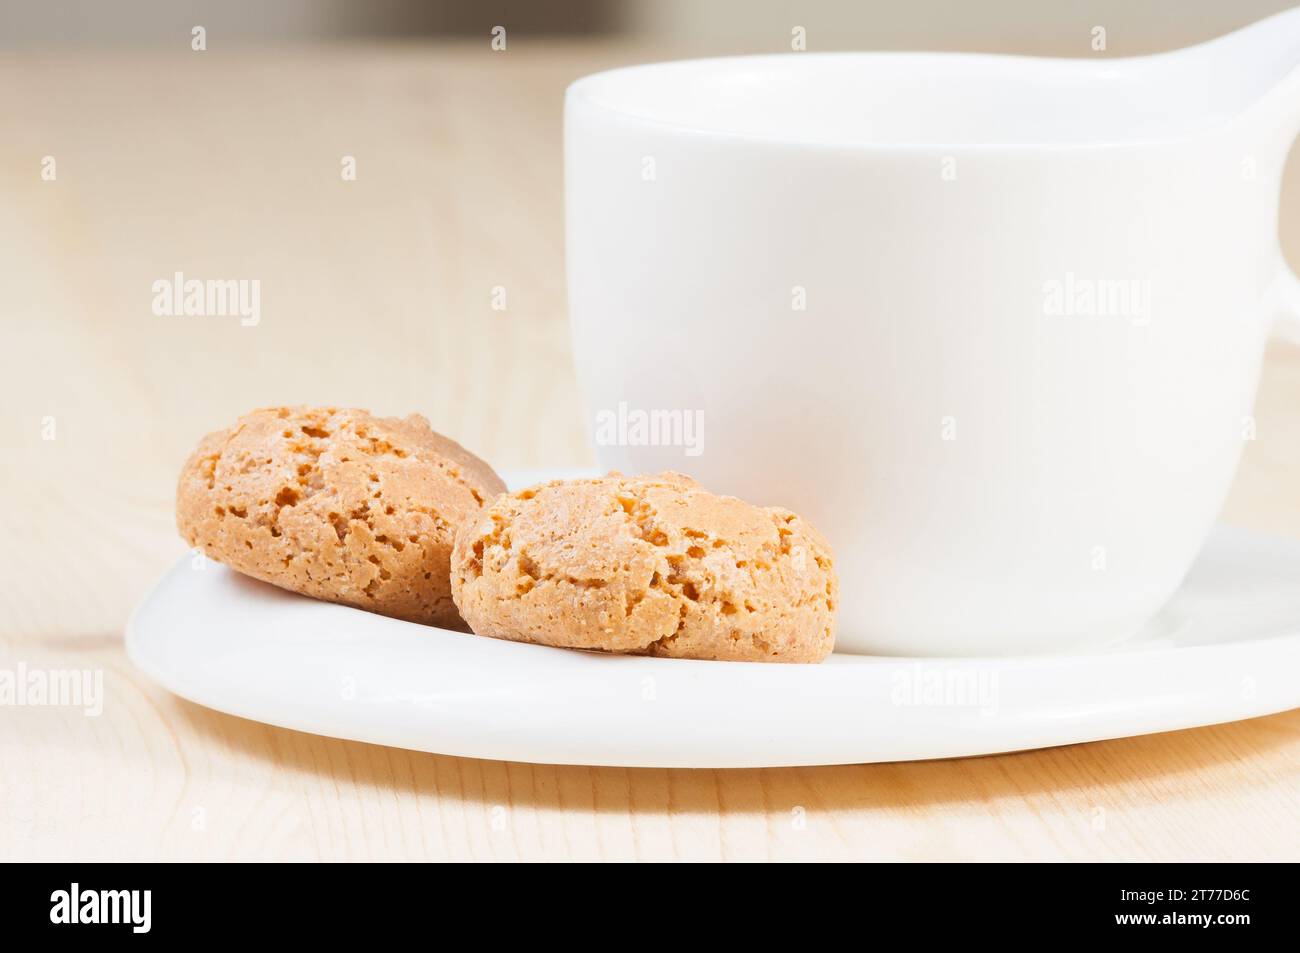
{"x": 212, "y": 138}
{"x": 1135, "y": 26}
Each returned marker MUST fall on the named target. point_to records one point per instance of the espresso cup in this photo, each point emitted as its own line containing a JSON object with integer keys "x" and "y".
{"x": 993, "y": 325}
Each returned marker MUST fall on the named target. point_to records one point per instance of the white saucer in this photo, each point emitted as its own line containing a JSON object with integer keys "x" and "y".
{"x": 1226, "y": 647}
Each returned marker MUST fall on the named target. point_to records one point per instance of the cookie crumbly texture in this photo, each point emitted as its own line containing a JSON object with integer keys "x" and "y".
{"x": 652, "y": 565}
{"x": 338, "y": 505}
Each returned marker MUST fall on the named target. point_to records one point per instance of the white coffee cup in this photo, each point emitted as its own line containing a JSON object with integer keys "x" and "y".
{"x": 994, "y": 325}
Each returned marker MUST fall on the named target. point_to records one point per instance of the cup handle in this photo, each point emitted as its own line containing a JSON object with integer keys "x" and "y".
{"x": 1285, "y": 303}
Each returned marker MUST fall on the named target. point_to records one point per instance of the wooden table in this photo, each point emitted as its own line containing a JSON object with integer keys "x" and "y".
{"x": 378, "y": 292}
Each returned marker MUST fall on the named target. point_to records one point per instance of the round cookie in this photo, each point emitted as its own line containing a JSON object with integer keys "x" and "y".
{"x": 653, "y": 565}
{"x": 338, "y": 505}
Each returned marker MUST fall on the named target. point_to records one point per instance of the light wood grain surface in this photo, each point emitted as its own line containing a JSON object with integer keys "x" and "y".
{"x": 377, "y": 293}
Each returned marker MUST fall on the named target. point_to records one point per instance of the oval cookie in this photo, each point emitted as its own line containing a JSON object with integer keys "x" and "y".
{"x": 651, "y": 565}
{"x": 338, "y": 505}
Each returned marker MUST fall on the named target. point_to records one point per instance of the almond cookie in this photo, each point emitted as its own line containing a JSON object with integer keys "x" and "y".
{"x": 338, "y": 505}
{"x": 653, "y": 565}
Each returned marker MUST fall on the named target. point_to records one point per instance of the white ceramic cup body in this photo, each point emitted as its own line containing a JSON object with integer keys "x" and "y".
{"x": 896, "y": 342}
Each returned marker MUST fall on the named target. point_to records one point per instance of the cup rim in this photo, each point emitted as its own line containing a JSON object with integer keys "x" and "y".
{"x": 586, "y": 92}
